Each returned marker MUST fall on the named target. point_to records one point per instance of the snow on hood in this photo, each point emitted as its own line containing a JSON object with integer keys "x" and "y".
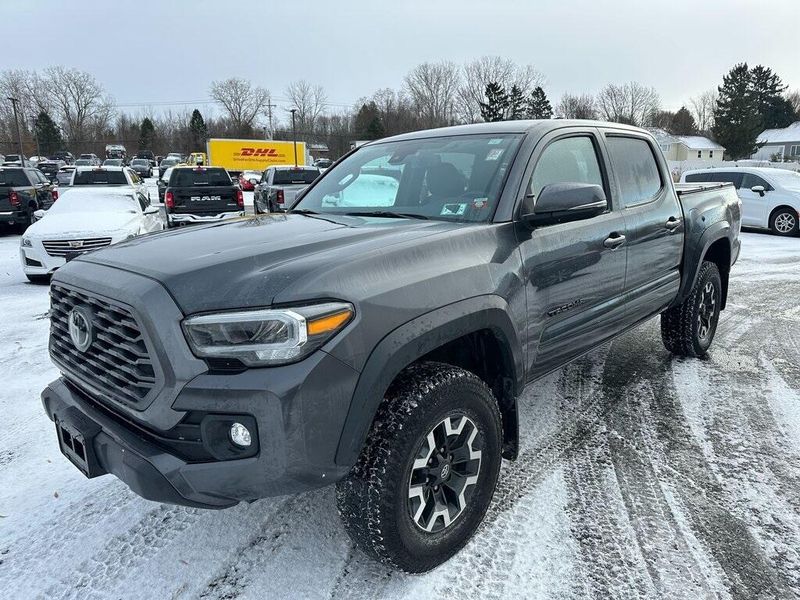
{"x": 83, "y": 224}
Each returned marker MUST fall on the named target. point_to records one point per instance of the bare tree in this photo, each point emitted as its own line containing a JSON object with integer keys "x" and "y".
{"x": 702, "y": 107}
{"x": 576, "y": 107}
{"x": 794, "y": 98}
{"x": 631, "y": 103}
{"x": 242, "y": 101}
{"x": 432, "y": 88}
{"x": 309, "y": 100}
{"x": 479, "y": 73}
{"x": 81, "y": 104}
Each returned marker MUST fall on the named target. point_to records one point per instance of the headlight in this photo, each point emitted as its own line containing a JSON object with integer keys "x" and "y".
{"x": 266, "y": 337}
{"x": 26, "y": 242}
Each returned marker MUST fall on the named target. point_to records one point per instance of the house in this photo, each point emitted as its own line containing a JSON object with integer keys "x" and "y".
{"x": 783, "y": 143}
{"x": 681, "y": 148}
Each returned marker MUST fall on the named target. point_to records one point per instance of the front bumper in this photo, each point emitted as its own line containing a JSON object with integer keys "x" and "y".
{"x": 299, "y": 411}
{"x": 35, "y": 261}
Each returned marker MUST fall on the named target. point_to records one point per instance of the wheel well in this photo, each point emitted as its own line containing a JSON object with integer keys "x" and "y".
{"x": 484, "y": 354}
{"x": 720, "y": 254}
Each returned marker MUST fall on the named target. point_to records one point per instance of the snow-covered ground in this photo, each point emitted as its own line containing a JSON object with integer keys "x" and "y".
{"x": 640, "y": 475}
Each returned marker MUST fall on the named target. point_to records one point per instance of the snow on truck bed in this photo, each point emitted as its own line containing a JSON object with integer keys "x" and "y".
{"x": 640, "y": 475}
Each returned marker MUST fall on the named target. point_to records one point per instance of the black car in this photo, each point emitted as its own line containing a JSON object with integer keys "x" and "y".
{"x": 67, "y": 157}
{"x": 379, "y": 334}
{"x": 147, "y": 155}
{"x": 23, "y": 192}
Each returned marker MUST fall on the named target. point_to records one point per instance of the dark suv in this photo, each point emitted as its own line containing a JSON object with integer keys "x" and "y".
{"x": 22, "y": 193}
{"x": 379, "y": 333}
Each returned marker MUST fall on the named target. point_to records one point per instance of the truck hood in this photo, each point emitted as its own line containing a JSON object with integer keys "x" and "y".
{"x": 247, "y": 262}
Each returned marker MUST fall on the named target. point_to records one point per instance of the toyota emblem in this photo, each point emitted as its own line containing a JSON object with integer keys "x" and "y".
{"x": 81, "y": 331}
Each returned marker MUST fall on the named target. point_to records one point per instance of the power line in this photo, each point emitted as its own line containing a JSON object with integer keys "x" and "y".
{"x": 206, "y": 101}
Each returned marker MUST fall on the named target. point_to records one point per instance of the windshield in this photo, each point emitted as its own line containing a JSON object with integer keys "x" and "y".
{"x": 99, "y": 177}
{"x": 75, "y": 201}
{"x": 454, "y": 178}
{"x": 199, "y": 176}
{"x": 297, "y": 176}
{"x": 13, "y": 178}
{"x": 168, "y": 162}
{"x": 140, "y": 161}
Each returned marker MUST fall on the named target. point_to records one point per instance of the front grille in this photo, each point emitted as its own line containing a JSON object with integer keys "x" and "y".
{"x": 64, "y": 247}
{"x": 117, "y": 364}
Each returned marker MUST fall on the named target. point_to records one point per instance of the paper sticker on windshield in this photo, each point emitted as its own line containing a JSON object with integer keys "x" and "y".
{"x": 494, "y": 154}
{"x": 495, "y": 141}
{"x": 453, "y": 210}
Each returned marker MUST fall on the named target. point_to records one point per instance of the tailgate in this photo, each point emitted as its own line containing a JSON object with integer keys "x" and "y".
{"x": 205, "y": 200}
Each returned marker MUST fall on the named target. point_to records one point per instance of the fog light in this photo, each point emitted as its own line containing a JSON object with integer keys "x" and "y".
{"x": 240, "y": 435}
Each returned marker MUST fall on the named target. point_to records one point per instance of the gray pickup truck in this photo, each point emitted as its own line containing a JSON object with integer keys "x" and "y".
{"x": 280, "y": 186}
{"x": 378, "y": 335}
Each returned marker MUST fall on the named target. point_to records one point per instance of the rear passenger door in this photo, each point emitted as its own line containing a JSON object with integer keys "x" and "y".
{"x": 574, "y": 272}
{"x": 654, "y": 223}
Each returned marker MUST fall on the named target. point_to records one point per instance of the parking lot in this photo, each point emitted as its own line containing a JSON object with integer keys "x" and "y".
{"x": 640, "y": 475}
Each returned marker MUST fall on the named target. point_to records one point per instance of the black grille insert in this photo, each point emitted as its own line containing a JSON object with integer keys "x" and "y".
{"x": 117, "y": 364}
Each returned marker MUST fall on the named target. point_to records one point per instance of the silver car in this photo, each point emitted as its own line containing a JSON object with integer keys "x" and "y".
{"x": 280, "y": 185}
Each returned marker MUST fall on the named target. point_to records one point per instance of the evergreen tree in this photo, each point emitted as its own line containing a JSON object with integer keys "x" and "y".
{"x": 497, "y": 102}
{"x": 147, "y": 134}
{"x": 775, "y": 110}
{"x": 736, "y": 119}
{"x": 538, "y": 105}
{"x": 198, "y": 131}
{"x": 48, "y": 134}
{"x": 516, "y": 104}
{"x": 368, "y": 123}
{"x": 682, "y": 123}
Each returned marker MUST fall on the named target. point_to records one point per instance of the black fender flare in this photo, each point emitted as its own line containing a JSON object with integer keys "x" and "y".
{"x": 694, "y": 258}
{"x": 415, "y": 339}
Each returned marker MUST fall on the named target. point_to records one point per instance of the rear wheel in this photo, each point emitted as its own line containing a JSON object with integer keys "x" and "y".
{"x": 428, "y": 470}
{"x": 783, "y": 221}
{"x": 688, "y": 329}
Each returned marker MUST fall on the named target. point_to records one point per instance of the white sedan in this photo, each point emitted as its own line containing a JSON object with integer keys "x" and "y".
{"x": 84, "y": 219}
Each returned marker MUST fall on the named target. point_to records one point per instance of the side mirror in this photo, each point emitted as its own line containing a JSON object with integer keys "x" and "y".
{"x": 151, "y": 210}
{"x": 39, "y": 214}
{"x": 254, "y": 181}
{"x": 758, "y": 189}
{"x": 564, "y": 202}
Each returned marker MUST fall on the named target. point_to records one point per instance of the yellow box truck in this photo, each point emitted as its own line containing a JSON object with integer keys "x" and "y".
{"x": 253, "y": 155}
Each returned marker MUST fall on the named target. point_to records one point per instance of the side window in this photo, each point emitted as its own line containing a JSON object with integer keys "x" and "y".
{"x": 749, "y": 180}
{"x": 728, "y": 177}
{"x": 635, "y": 168}
{"x": 568, "y": 160}
{"x": 134, "y": 177}
{"x": 142, "y": 201}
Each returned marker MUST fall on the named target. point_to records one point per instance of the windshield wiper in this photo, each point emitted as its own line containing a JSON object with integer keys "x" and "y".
{"x": 386, "y": 213}
{"x": 303, "y": 211}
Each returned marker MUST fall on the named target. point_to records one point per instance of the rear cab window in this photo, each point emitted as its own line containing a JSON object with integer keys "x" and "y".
{"x": 204, "y": 177}
{"x": 13, "y": 178}
{"x": 99, "y": 177}
{"x": 294, "y": 176}
{"x": 635, "y": 168}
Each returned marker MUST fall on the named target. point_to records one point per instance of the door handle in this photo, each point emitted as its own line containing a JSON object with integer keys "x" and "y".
{"x": 672, "y": 223}
{"x": 614, "y": 241}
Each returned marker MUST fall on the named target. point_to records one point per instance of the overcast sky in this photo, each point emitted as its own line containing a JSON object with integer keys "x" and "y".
{"x": 147, "y": 52}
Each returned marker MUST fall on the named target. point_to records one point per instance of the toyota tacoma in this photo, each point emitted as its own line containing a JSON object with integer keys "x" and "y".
{"x": 378, "y": 335}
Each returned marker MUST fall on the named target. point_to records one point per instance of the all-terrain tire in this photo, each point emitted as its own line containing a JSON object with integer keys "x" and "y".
{"x": 682, "y": 327}
{"x": 373, "y": 501}
{"x": 784, "y": 221}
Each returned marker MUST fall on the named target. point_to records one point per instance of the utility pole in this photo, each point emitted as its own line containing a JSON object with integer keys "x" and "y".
{"x": 294, "y": 136}
{"x": 36, "y": 135}
{"x": 269, "y": 116}
{"x": 14, "y": 103}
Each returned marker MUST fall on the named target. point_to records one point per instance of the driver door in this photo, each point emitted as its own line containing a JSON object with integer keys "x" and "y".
{"x": 574, "y": 272}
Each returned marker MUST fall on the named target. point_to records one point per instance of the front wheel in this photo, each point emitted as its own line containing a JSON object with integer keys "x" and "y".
{"x": 428, "y": 471}
{"x": 688, "y": 329}
{"x": 784, "y": 222}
